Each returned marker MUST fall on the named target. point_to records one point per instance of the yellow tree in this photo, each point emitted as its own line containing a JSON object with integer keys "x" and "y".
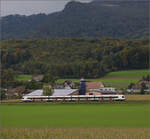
{"x": 48, "y": 90}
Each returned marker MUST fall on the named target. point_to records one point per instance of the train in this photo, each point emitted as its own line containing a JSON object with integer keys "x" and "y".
{"x": 70, "y": 98}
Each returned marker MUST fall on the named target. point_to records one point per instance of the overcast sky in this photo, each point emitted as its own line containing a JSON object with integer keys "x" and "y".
{"x": 28, "y": 7}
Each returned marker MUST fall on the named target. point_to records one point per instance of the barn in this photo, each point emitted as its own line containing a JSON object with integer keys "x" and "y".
{"x": 57, "y": 92}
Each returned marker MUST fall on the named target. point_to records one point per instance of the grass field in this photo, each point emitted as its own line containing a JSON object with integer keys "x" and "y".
{"x": 75, "y": 115}
{"x": 24, "y": 77}
{"x": 133, "y": 73}
{"x": 75, "y": 121}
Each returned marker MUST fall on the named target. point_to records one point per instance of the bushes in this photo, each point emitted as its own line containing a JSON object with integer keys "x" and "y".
{"x": 33, "y": 85}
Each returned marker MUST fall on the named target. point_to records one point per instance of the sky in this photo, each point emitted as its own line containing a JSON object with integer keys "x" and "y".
{"x": 28, "y": 7}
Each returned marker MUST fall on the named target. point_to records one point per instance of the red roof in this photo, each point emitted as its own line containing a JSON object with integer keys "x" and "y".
{"x": 94, "y": 85}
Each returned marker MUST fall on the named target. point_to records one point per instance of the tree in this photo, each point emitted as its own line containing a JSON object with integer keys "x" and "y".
{"x": 148, "y": 78}
{"x": 34, "y": 85}
{"x": 49, "y": 78}
{"x": 87, "y": 57}
{"x": 7, "y": 77}
{"x": 48, "y": 90}
{"x": 143, "y": 87}
{"x": 143, "y": 78}
{"x": 131, "y": 85}
{"x": 2, "y": 94}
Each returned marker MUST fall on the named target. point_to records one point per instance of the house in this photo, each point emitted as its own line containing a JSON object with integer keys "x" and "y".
{"x": 146, "y": 83}
{"x": 37, "y": 78}
{"x": 66, "y": 85}
{"x": 15, "y": 92}
{"x": 58, "y": 86}
{"x": 133, "y": 90}
{"x": 107, "y": 90}
{"x": 92, "y": 88}
{"x": 97, "y": 88}
{"x": 137, "y": 88}
{"x": 69, "y": 84}
{"x": 94, "y": 85}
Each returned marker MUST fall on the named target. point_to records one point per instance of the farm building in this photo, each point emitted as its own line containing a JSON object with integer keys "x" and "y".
{"x": 136, "y": 88}
{"x": 92, "y": 88}
{"x": 146, "y": 83}
{"x": 93, "y": 85}
{"x": 86, "y": 88}
{"x": 95, "y": 88}
{"x": 37, "y": 78}
{"x": 57, "y": 92}
{"x": 107, "y": 90}
{"x": 66, "y": 85}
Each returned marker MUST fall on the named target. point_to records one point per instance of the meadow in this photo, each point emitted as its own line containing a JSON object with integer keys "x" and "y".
{"x": 133, "y": 73}
{"x": 75, "y": 121}
{"x": 75, "y": 115}
{"x": 119, "y": 79}
{"x": 24, "y": 77}
{"x": 119, "y": 120}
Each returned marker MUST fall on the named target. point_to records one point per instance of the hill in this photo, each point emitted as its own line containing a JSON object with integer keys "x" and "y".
{"x": 119, "y": 19}
{"x": 74, "y": 57}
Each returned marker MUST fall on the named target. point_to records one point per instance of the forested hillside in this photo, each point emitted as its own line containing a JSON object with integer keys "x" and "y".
{"x": 74, "y": 57}
{"x": 115, "y": 18}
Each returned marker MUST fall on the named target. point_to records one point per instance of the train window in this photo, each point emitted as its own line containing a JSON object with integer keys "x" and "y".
{"x": 115, "y": 97}
{"x": 122, "y": 96}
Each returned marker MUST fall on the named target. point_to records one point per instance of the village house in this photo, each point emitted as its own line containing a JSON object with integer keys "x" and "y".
{"x": 92, "y": 88}
{"x": 15, "y": 92}
{"x": 66, "y": 85}
{"x": 137, "y": 87}
{"x": 95, "y": 88}
{"x": 146, "y": 83}
{"x": 37, "y": 78}
{"x": 108, "y": 90}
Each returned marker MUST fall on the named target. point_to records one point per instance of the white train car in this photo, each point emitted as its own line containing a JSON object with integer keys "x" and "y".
{"x": 74, "y": 98}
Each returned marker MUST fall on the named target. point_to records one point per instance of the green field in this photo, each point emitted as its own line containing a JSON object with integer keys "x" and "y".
{"x": 24, "y": 77}
{"x": 133, "y": 73}
{"x": 119, "y": 79}
{"x": 75, "y": 121}
{"x": 75, "y": 115}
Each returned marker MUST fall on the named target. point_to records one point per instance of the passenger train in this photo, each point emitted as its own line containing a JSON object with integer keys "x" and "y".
{"x": 74, "y": 98}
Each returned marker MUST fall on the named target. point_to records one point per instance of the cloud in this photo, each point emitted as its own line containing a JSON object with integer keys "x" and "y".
{"x": 28, "y": 7}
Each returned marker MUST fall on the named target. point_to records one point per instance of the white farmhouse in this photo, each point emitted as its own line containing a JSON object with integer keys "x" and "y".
{"x": 108, "y": 90}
